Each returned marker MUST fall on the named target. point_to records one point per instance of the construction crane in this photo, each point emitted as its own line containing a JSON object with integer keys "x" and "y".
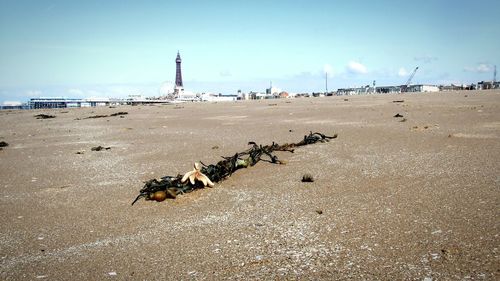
{"x": 404, "y": 87}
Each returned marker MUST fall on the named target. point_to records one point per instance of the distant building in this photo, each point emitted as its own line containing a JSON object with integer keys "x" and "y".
{"x": 62, "y": 102}
{"x": 217, "y": 97}
{"x": 284, "y": 95}
{"x": 388, "y": 89}
{"x": 453, "y": 87}
{"x": 422, "y": 88}
{"x": 485, "y": 85}
{"x": 14, "y": 105}
{"x": 353, "y": 91}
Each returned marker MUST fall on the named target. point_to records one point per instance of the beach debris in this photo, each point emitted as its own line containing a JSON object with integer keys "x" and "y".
{"x": 159, "y": 196}
{"x": 346, "y": 99}
{"x": 99, "y": 148}
{"x": 206, "y": 175}
{"x": 80, "y": 152}
{"x": 44, "y": 116}
{"x": 215, "y": 147}
{"x": 307, "y": 178}
{"x": 196, "y": 175}
{"x": 3, "y": 144}
{"x": 121, "y": 113}
{"x": 319, "y": 212}
{"x": 398, "y": 101}
{"x": 398, "y": 115}
{"x": 402, "y": 120}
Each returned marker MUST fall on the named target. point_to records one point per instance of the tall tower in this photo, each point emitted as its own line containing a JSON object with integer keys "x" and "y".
{"x": 178, "y": 75}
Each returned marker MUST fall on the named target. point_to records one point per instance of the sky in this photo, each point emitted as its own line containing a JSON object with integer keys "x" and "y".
{"x": 119, "y": 48}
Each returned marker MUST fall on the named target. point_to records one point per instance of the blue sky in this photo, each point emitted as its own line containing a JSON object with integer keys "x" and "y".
{"x": 116, "y": 48}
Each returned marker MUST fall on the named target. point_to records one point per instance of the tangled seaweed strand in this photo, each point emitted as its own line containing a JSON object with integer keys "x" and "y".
{"x": 173, "y": 186}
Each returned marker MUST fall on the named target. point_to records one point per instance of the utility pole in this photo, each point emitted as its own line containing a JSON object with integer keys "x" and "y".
{"x": 326, "y": 82}
{"x": 495, "y": 75}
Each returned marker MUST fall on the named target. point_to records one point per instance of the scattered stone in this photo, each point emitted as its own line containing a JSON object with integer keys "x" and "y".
{"x": 307, "y": 178}
{"x": 215, "y": 147}
{"x": 3, "y": 144}
{"x": 398, "y": 115}
{"x": 99, "y": 148}
{"x": 402, "y": 120}
{"x": 290, "y": 130}
{"x": 44, "y": 116}
{"x": 346, "y": 99}
{"x": 80, "y": 152}
{"x": 272, "y": 104}
{"x": 398, "y": 101}
{"x": 319, "y": 212}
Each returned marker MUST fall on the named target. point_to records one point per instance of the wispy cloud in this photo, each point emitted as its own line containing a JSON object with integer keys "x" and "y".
{"x": 327, "y": 68}
{"x": 356, "y": 68}
{"x": 479, "y": 68}
{"x": 402, "y": 72}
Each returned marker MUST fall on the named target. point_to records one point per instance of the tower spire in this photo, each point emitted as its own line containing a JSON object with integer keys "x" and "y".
{"x": 179, "y": 87}
{"x": 178, "y": 72}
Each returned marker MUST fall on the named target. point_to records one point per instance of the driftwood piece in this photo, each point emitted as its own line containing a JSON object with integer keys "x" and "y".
{"x": 173, "y": 185}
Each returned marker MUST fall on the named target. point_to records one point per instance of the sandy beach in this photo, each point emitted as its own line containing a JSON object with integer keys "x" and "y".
{"x": 394, "y": 198}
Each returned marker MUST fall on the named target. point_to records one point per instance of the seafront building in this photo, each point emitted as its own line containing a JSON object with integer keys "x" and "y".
{"x": 63, "y": 102}
{"x": 174, "y": 93}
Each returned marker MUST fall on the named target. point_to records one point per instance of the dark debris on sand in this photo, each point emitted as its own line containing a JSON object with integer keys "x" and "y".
{"x": 225, "y": 168}
{"x": 44, "y": 116}
{"x": 3, "y": 144}
{"x": 99, "y": 148}
{"x": 307, "y": 178}
{"x": 121, "y": 113}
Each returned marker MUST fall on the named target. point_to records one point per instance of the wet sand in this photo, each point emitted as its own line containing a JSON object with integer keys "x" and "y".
{"x": 391, "y": 200}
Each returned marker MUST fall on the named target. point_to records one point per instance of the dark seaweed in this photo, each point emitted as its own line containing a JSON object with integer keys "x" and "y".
{"x": 226, "y": 167}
